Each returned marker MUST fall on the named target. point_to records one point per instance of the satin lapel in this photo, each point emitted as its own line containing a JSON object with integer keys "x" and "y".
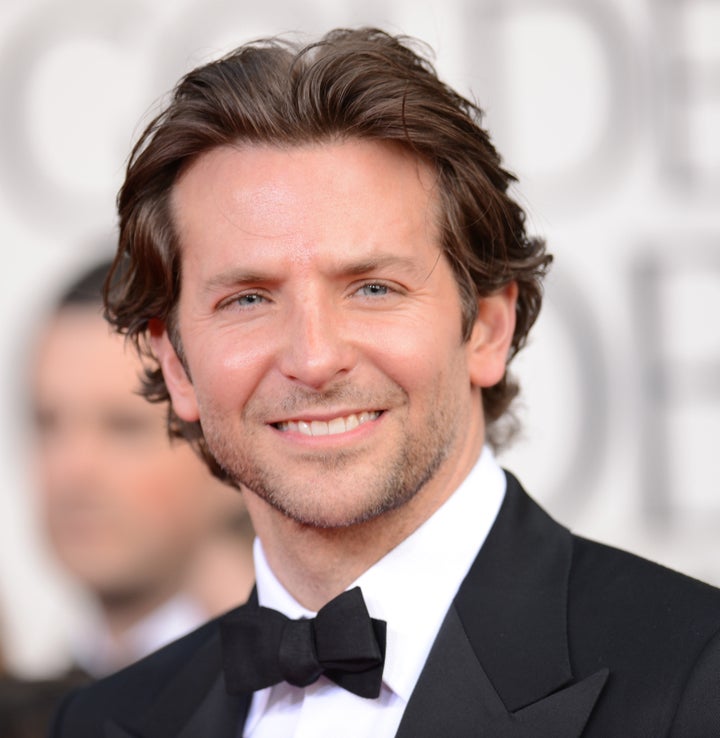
{"x": 218, "y": 715}
{"x": 503, "y": 647}
{"x": 454, "y": 696}
{"x": 193, "y": 704}
{"x": 513, "y": 602}
{"x": 113, "y": 730}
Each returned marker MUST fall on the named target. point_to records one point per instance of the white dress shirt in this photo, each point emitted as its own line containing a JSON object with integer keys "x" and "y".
{"x": 411, "y": 588}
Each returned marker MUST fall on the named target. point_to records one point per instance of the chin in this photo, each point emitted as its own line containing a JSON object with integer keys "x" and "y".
{"x": 338, "y": 517}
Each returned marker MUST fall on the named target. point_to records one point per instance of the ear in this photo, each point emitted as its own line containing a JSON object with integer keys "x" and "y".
{"x": 491, "y": 336}
{"x": 182, "y": 392}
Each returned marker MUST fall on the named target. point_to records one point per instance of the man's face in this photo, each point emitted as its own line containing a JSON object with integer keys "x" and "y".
{"x": 124, "y": 508}
{"x": 321, "y": 328}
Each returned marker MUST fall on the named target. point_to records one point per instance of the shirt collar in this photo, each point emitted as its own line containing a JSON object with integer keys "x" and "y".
{"x": 100, "y": 652}
{"x": 413, "y": 585}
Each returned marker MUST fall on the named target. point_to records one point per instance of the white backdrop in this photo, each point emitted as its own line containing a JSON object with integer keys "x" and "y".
{"x": 608, "y": 110}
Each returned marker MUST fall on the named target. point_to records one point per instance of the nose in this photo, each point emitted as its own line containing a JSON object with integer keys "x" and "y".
{"x": 317, "y": 347}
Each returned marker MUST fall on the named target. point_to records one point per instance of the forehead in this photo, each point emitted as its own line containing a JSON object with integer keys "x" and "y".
{"x": 345, "y": 191}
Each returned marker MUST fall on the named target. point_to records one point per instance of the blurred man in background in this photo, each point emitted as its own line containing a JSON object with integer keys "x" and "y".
{"x": 130, "y": 514}
{"x": 135, "y": 518}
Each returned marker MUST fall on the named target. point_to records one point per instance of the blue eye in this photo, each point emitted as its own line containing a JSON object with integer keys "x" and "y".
{"x": 250, "y": 299}
{"x": 374, "y": 289}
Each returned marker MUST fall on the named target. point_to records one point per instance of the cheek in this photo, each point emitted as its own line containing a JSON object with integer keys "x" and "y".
{"x": 226, "y": 372}
{"x": 416, "y": 357}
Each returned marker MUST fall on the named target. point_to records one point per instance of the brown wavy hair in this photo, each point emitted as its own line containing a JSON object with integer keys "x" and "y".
{"x": 351, "y": 84}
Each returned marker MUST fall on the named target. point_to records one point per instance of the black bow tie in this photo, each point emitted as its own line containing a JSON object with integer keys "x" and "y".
{"x": 262, "y": 647}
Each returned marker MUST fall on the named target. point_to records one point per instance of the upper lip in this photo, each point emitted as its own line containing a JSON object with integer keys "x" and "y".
{"x": 325, "y": 415}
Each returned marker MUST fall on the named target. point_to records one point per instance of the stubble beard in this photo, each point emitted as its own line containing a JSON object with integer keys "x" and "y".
{"x": 390, "y": 484}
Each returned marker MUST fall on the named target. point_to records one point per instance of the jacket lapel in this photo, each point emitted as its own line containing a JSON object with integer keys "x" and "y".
{"x": 500, "y": 665}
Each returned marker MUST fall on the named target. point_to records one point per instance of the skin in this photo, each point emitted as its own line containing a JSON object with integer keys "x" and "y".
{"x": 126, "y": 510}
{"x": 314, "y": 289}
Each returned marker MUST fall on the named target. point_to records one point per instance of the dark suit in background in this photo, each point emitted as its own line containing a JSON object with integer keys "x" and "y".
{"x": 27, "y": 706}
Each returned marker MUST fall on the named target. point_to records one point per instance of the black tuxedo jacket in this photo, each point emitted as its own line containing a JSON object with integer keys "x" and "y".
{"x": 549, "y": 636}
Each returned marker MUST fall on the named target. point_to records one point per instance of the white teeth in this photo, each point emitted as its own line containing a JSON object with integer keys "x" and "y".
{"x": 330, "y": 428}
{"x": 336, "y": 425}
{"x": 318, "y": 428}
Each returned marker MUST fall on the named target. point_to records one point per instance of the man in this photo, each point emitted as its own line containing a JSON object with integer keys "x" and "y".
{"x": 128, "y": 513}
{"x": 318, "y": 248}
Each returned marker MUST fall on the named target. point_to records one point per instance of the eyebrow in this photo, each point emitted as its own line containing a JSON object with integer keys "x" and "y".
{"x": 374, "y": 263}
{"x": 237, "y": 276}
{"x": 232, "y": 277}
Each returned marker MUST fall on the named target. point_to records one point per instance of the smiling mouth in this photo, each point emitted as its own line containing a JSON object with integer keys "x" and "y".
{"x": 333, "y": 427}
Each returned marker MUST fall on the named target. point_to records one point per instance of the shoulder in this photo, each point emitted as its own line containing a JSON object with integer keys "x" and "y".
{"x": 609, "y": 591}
{"x": 133, "y": 689}
{"x": 608, "y": 587}
{"x": 658, "y": 631}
